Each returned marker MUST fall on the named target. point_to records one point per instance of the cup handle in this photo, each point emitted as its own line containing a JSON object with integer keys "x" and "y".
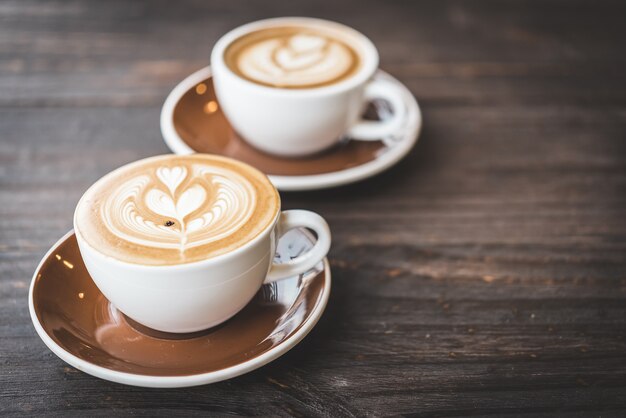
{"x": 368, "y": 130}
{"x": 290, "y": 219}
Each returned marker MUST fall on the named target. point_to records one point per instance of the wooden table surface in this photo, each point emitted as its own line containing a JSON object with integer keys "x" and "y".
{"x": 484, "y": 275}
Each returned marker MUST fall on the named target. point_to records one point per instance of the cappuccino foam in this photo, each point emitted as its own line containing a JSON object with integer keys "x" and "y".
{"x": 292, "y": 57}
{"x": 171, "y": 209}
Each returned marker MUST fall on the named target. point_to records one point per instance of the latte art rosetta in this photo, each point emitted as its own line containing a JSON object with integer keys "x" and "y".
{"x": 170, "y": 211}
{"x": 176, "y": 209}
{"x": 293, "y": 58}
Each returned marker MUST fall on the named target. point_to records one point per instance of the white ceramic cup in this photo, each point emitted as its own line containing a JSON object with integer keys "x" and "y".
{"x": 196, "y": 296}
{"x": 297, "y": 122}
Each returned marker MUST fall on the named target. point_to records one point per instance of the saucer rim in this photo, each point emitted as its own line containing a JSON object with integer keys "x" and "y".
{"x": 307, "y": 182}
{"x": 142, "y": 380}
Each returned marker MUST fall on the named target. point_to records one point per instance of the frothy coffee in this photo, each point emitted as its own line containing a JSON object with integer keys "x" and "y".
{"x": 176, "y": 209}
{"x": 292, "y": 57}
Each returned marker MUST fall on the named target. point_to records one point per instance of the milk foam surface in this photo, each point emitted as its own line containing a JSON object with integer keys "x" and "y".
{"x": 176, "y": 209}
{"x": 292, "y": 57}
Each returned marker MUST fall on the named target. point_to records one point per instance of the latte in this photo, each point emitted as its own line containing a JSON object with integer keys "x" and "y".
{"x": 169, "y": 209}
{"x": 292, "y": 57}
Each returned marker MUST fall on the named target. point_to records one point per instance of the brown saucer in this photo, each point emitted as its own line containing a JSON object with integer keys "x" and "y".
{"x": 82, "y": 327}
{"x": 192, "y": 121}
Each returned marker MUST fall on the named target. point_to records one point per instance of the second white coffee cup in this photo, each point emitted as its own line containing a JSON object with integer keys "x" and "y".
{"x": 300, "y": 121}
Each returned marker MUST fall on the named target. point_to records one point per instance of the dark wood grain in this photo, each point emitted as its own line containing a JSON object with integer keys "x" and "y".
{"x": 484, "y": 275}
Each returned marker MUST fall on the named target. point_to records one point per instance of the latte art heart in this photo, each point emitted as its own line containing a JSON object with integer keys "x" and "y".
{"x": 181, "y": 210}
{"x": 292, "y": 58}
{"x": 175, "y": 212}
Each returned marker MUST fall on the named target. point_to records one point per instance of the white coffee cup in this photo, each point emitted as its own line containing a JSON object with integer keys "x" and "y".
{"x": 195, "y": 296}
{"x": 301, "y": 121}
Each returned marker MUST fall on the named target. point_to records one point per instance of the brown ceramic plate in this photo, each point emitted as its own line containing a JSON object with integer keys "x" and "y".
{"x": 81, "y": 326}
{"x": 192, "y": 121}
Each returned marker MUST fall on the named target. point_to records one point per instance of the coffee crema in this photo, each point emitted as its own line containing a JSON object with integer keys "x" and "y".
{"x": 292, "y": 57}
{"x": 169, "y": 209}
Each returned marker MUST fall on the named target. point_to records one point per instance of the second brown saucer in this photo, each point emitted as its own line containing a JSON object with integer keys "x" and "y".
{"x": 192, "y": 121}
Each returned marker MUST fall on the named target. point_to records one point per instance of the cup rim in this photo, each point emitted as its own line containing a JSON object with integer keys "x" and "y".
{"x": 369, "y": 55}
{"x": 183, "y": 266}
